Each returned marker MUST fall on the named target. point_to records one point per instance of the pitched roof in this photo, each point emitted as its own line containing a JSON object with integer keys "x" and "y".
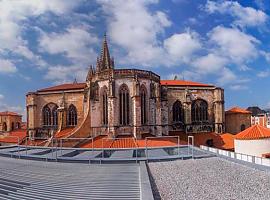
{"x": 14, "y": 137}
{"x": 183, "y": 83}
{"x": 254, "y": 132}
{"x": 8, "y": 113}
{"x": 68, "y": 86}
{"x": 238, "y": 110}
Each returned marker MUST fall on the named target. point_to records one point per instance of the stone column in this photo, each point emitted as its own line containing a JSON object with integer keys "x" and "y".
{"x": 136, "y": 104}
{"x": 31, "y": 114}
{"x": 112, "y": 109}
{"x": 219, "y": 113}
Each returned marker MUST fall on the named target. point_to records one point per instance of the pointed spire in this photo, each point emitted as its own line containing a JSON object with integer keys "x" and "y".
{"x": 105, "y": 55}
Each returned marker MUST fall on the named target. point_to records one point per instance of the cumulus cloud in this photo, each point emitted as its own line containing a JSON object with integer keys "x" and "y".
{"x": 7, "y": 67}
{"x": 75, "y": 43}
{"x": 235, "y": 44}
{"x": 61, "y": 74}
{"x": 181, "y": 47}
{"x": 5, "y": 107}
{"x": 135, "y": 28}
{"x": 14, "y": 13}
{"x": 244, "y": 16}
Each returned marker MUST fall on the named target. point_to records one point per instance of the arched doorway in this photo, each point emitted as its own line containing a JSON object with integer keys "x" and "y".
{"x": 4, "y": 126}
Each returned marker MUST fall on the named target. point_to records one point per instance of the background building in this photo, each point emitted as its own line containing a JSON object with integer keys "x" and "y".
{"x": 253, "y": 141}
{"x": 10, "y": 121}
{"x": 237, "y": 120}
{"x": 259, "y": 116}
{"x": 124, "y": 102}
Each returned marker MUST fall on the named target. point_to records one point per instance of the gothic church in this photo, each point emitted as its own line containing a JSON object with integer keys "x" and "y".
{"x": 118, "y": 102}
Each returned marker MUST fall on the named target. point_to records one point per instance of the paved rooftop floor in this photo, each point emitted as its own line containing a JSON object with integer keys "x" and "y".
{"x": 208, "y": 178}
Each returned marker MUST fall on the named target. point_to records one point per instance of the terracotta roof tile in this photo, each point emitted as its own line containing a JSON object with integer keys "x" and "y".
{"x": 14, "y": 136}
{"x": 221, "y": 141}
{"x": 68, "y": 86}
{"x": 254, "y": 132}
{"x": 8, "y": 113}
{"x": 183, "y": 83}
{"x": 238, "y": 110}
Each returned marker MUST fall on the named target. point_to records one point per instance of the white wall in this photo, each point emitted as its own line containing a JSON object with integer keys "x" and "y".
{"x": 252, "y": 147}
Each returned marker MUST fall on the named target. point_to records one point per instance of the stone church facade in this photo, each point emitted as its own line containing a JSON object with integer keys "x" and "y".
{"x": 124, "y": 102}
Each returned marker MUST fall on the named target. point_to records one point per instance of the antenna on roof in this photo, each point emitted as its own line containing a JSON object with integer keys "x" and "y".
{"x": 75, "y": 81}
{"x": 175, "y": 77}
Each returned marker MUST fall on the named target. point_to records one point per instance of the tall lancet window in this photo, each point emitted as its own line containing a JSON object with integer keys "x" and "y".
{"x": 199, "y": 111}
{"x": 178, "y": 114}
{"x": 143, "y": 105}
{"x": 72, "y": 116}
{"x": 105, "y": 106}
{"x": 124, "y": 105}
{"x": 46, "y": 112}
{"x": 54, "y": 116}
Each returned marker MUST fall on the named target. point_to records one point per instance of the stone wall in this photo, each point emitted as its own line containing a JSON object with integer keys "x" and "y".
{"x": 234, "y": 121}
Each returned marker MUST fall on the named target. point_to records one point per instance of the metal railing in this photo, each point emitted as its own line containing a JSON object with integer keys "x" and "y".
{"x": 109, "y": 149}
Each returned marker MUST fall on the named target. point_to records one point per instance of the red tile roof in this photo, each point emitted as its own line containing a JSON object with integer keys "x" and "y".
{"x": 183, "y": 83}
{"x": 238, "y": 110}
{"x": 253, "y": 133}
{"x": 7, "y": 113}
{"x": 221, "y": 141}
{"x": 68, "y": 86}
{"x": 14, "y": 136}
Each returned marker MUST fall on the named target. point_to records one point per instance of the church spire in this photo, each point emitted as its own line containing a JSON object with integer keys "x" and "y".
{"x": 105, "y": 61}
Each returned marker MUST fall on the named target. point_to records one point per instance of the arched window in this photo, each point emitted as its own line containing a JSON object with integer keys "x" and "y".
{"x": 46, "y": 116}
{"x": 12, "y": 126}
{"x": 105, "y": 107}
{"x": 95, "y": 91}
{"x": 243, "y": 127}
{"x": 55, "y": 116}
{"x": 178, "y": 114}
{"x": 18, "y": 125}
{"x": 143, "y": 105}
{"x": 124, "y": 105}
{"x": 199, "y": 111}
{"x": 72, "y": 115}
{"x": 4, "y": 126}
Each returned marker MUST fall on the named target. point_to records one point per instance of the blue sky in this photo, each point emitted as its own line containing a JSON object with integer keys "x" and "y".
{"x": 226, "y": 43}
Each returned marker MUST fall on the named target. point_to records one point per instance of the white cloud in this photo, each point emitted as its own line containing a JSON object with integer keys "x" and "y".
{"x": 244, "y": 16}
{"x": 5, "y": 107}
{"x": 75, "y": 43}
{"x": 264, "y": 74}
{"x": 135, "y": 28}
{"x": 210, "y": 64}
{"x": 181, "y": 47}
{"x": 61, "y": 74}
{"x": 235, "y": 44}
{"x": 14, "y": 13}
{"x": 7, "y": 67}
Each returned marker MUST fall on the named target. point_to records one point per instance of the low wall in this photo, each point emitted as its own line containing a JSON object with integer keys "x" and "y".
{"x": 239, "y": 156}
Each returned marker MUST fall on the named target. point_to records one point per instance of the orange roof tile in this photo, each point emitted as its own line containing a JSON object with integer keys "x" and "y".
{"x": 238, "y": 110}
{"x": 254, "y": 132}
{"x": 183, "y": 83}
{"x": 8, "y": 113}
{"x": 68, "y": 86}
{"x": 221, "y": 141}
{"x": 14, "y": 136}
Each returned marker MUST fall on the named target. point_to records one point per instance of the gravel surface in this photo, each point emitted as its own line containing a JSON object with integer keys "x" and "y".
{"x": 208, "y": 178}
